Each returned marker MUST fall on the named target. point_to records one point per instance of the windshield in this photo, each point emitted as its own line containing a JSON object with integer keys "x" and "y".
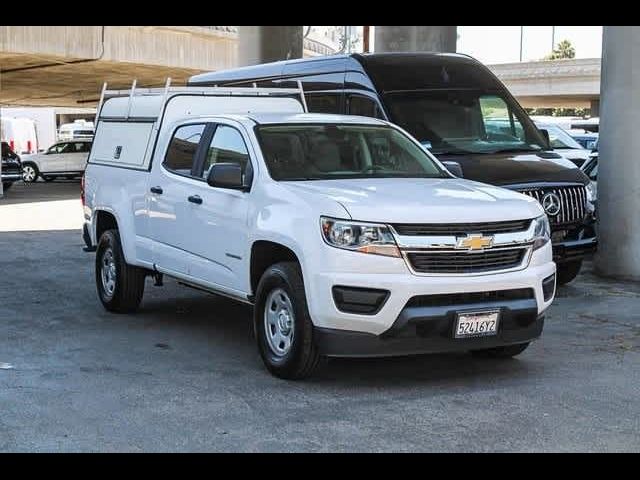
{"x": 559, "y": 138}
{"x": 325, "y": 152}
{"x": 463, "y": 121}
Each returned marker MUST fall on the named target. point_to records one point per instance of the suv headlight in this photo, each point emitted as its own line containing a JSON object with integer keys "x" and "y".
{"x": 541, "y": 232}
{"x": 592, "y": 192}
{"x": 361, "y": 237}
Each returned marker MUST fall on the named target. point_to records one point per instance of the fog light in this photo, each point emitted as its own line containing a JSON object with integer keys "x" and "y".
{"x": 548, "y": 287}
{"x": 363, "y": 301}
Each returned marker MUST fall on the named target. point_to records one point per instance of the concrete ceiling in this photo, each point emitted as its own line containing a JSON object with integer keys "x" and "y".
{"x": 27, "y": 79}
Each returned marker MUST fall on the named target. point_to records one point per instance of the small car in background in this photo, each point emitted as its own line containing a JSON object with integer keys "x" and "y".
{"x": 564, "y": 144}
{"x": 587, "y": 139}
{"x": 11, "y": 170}
{"x": 66, "y": 159}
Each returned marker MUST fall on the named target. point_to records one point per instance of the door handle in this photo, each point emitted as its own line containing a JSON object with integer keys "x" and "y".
{"x": 195, "y": 199}
{"x": 157, "y": 190}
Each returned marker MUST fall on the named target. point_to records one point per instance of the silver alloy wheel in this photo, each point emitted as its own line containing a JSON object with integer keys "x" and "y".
{"x": 279, "y": 322}
{"x": 28, "y": 174}
{"x": 108, "y": 272}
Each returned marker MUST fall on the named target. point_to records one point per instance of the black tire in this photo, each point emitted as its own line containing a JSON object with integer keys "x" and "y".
{"x": 568, "y": 271}
{"x": 48, "y": 178}
{"x": 7, "y": 185}
{"x": 302, "y": 358}
{"x": 507, "y": 351}
{"x": 129, "y": 280}
{"x": 36, "y": 173}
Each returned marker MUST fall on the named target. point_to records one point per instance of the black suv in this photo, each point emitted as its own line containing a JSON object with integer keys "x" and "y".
{"x": 458, "y": 109}
{"x": 11, "y": 170}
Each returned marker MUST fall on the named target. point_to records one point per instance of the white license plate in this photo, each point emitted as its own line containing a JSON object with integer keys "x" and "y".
{"x": 477, "y": 324}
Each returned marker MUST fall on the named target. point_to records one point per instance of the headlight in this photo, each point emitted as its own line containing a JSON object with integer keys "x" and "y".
{"x": 359, "y": 237}
{"x": 541, "y": 232}
{"x": 592, "y": 192}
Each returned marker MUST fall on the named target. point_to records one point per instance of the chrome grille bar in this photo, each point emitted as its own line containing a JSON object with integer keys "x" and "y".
{"x": 573, "y": 200}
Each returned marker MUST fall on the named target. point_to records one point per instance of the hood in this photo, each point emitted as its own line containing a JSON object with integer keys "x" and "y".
{"x": 418, "y": 200}
{"x": 574, "y": 153}
{"x": 517, "y": 168}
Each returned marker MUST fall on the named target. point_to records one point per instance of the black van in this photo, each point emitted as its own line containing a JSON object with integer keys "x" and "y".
{"x": 457, "y": 109}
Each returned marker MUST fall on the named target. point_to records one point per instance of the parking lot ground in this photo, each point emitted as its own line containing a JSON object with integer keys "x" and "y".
{"x": 184, "y": 374}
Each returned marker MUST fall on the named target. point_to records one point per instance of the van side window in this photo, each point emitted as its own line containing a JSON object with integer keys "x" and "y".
{"x": 227, "y": 146}
{"x": 182, "y": 149}
{"x": 363, "y": 106}
{"x": 323, "y": 102}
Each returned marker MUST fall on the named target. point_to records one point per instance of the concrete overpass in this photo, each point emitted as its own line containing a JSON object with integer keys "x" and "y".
{"x": 66, "y": 65}
{"x": 569, "y": 83}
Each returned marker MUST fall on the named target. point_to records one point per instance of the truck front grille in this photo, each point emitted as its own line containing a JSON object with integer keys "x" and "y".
{"x": 573, "y": 202}
{"x": 460, "y": 229}
{"x": 466, "y": 262}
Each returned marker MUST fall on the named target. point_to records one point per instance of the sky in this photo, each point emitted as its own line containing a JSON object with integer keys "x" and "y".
{"x": 501, "y": 44}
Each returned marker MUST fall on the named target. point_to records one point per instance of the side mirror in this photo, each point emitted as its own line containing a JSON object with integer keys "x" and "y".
{"x": 454, "y": 168}
{"x": 545, "y": 134}
{"x": 226, "y": 175}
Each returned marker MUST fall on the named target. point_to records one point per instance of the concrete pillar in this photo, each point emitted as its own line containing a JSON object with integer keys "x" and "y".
{"x": 595, "y": 107}
{"x": 619, "y": 144}
{"x": 262, "y": 44}
{"x": 415, "y": 39}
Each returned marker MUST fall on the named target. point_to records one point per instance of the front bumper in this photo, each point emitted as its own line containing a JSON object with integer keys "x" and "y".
{"x": 572, "y": 250}
{"x": 11, "y": 176}
{"x": 425, "y": 333}
{"x": 402, "y": 286}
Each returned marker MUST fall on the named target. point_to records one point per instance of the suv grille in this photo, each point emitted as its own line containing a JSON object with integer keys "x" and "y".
{"x": 460, "y": 229}
{"x": 573, "y": 200}
{"x": 465, "y": 262}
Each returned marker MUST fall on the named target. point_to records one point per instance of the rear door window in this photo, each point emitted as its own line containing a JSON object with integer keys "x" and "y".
{"x": 183, "y": 147}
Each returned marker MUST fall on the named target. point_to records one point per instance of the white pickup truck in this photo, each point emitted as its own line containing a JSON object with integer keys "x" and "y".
{"x": 344, "y": 233}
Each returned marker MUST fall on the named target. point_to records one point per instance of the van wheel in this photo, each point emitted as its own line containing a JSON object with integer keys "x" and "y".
{"x": 29, "y": 172}
{"x": 568, "y": 271}
{"x": 283, "y": 326}
{"x": 507, "y": 351}
{"x": 6, "y": 185}
{"x": 120, "y": 285}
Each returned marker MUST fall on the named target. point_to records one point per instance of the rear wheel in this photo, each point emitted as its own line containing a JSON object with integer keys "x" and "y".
{"x": 567, "y": 272}
{"x": 29, "y": 173}
{"x": 507, "y": 351}
{"x": 6, "y": 185}
{"x": 283, "y": 326}
{"x": 120, "y": 285}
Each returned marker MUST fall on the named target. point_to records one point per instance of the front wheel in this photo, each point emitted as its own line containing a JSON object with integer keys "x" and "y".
{"x": 507, "y": 351}
{"x": 568, "y": 271}
{"x": 29, "y": 173}
{"x": 120, "y": 285}
{"x": 282, "y": 323}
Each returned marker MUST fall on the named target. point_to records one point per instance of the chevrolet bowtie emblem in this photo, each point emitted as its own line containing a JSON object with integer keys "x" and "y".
{"x": 474, "y": 242}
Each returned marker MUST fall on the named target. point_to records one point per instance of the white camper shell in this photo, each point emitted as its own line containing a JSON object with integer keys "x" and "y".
{"x": 127, "y": 116}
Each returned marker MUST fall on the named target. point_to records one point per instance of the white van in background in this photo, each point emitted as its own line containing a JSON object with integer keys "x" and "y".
{"x": 80, "y": 129}
{"x": 20, "y": 134}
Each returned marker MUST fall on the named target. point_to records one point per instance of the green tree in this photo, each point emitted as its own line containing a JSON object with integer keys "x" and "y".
{"x": 564, "y": 49}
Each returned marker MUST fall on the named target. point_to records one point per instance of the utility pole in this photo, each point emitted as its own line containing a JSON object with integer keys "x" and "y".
{"x": 553, "y": 38}
{"x": 521, "y": 37}
{"x": 365, "y": 39}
